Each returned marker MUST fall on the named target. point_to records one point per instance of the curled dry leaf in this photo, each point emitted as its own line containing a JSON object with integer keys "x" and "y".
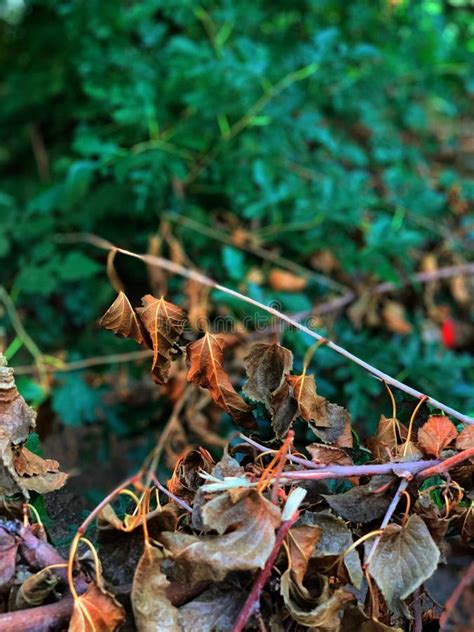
{"x": 363, "y": 503}
{"x": 326, "y": 615}
{"x": 465, "y": 439}
{"x": 328, "y": 454}
{"x": 266, "y": 366}
{"x": 284, "y": 410}
{"x": 96, "y": 611}
{"x": 186, "y": 478}
{"x": 394, "y": 317}
{"x": 20, "y": 469}
{"x": 245, "y": 522}
{"x": 206, "y": 357}
{"x": 37, "y": 474}
{"x": 335, "y": 539}
{"x": 404, "y": 558}
{"x": 283, "y": 281}
{"x": 151, "y": 607}
{"x": 327, "y": 420}
{"x": 122, "y": 319}
{"x": 164, "y": 323}
{"x": 306, "y": 594}
{"x": 29, "y": 464}
{"x": 36, "y": 589}
{"x": 385, "y": 441}
{"x": 436, "y": 434}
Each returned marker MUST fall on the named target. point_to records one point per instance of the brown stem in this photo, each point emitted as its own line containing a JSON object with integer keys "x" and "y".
{"x": 176, "y": 268}
{"x": 41, "y": 619}
{"x": 447, "y": 464}
{"x": 78, "y": 365}
{"x": 261, "y": 578}
{"x": 179, "y": 501}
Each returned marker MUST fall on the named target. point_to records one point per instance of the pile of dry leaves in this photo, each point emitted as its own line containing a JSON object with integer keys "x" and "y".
{"x": 342, "y": 538}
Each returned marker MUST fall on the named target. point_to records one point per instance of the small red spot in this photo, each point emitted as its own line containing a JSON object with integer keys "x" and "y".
{"x": 448, "y": 333}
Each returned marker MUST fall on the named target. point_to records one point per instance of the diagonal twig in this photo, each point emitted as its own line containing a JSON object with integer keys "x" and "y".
{"x": 176, "y": 268}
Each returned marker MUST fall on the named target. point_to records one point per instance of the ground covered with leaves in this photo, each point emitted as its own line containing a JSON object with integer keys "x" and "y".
{"x": 314, "y": 159}
{"x": 265, "y": 538}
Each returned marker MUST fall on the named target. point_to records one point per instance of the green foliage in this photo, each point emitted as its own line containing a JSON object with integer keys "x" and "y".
{"x": 316, "y": 125}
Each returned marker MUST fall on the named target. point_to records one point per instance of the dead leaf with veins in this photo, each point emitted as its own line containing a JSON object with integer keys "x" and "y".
{"x": 122, "y": 319}
{"x": 206, "y": 368}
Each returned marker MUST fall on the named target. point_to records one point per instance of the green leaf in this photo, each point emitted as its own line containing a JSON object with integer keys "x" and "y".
{"x": 76, "y": 266}
{"x": 75, "y": 402}
{"x": 233, "y": 261}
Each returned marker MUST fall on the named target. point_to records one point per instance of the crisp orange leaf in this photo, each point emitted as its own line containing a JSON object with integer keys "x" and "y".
{"x": 164, "y": 323}
{"x": 206, "y": 357}
{"x": 436, "y": 434}
{"x": 465, "y": 439}
{"x": 96, "y": 611}
{"x": 122, "y": 320}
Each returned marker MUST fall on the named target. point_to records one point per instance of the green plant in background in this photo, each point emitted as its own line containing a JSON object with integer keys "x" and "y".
{"x": 297, "y": 130}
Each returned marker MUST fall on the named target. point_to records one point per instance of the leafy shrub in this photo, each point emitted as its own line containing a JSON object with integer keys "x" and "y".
{"x": 326, "y": 126}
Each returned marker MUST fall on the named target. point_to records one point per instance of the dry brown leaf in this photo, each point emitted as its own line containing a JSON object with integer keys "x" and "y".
{"x": 283, "y": 281}
{"x": 245, "y": 522}
{"x": 20, "y": 469}
{"x": 266, "y": 365}
{"x": 326, "y": 615}
{"x": 186, "y": 478}
{"x": 17, "y": 419}
{"x": 36, "y": 589}
{"x": 122, "y": 319}
{"x": 385, "y": 441}
{"x": 96, "y": 611}
{"x": 151, "y": 607}
{"x": 363, "y": 503}
{"x": 465, "y": 439}
{"x": 284, "y": 409}
{"x": 206, "y": 357}
{"x": 29, "y": 464}
{"x": 164, "y": 323}
{"x": 328, "y": 454}
{"x": 436, "y": 434}
{"x": 409, "y": 451}
{"x": 335, "y": 539}
{"x": 326, "y": 420}
{"x": 43, "y": 483}
{"x": 393, "y": 314}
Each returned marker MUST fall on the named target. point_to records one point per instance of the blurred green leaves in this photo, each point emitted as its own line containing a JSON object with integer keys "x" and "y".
{"x": 317, "y": 126}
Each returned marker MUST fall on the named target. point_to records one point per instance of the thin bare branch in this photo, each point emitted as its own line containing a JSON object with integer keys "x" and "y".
{"x": 176, "y": 268}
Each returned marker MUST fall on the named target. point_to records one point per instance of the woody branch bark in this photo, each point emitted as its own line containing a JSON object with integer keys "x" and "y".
{"x": 176, "y": 268}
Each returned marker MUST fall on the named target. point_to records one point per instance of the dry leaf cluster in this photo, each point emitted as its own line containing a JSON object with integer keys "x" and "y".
{"x": 320, "y": 534}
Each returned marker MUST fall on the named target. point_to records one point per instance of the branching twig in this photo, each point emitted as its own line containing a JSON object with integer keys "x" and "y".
{"x": 162, "y": 488}
{"x": 176, "y": 268}
{"x": 404, "y": 469}
{"x": 253, "y": 600}
{"x": 78, "y": 365}
{"x": 447, "y": 464}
